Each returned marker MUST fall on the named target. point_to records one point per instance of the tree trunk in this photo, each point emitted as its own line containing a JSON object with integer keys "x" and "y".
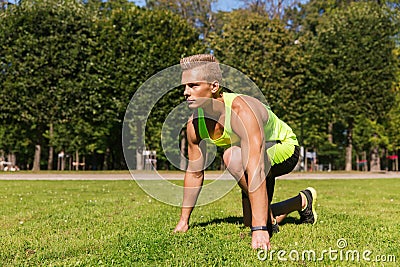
{"x": 63, "y": 163}
{"x": 364, "y": 159}
{"x": 358, "y": 162}
{"x": 106, "y": 159}
{"x": 12, "y": 158}
{"x": 375, "y": 160}
{"x": 36, "y": 160}
{"x": 330, "y": 130}
{"x": 305, "y": 160}
{"x": 348, "y": 165}
{"x": 139, "y": 159}
{"x": 51, "y": 148}
{"x": 77, "y": 160}
{"x": 349, "y": 149}
{"x": 51, "y": 158}
{"x": 139, "y": 148}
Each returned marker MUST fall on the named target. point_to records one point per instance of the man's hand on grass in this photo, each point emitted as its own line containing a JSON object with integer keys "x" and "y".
{"x": 181, "y": 227}
{"x": 260, "y": 239}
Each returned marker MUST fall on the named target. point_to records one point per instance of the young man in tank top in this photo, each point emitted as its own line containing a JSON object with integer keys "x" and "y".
{"x": 259, "y": 147}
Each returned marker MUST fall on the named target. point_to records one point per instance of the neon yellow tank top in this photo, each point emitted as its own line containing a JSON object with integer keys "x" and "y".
{"x": 228, "y": 137}
{"x": 274, "y": 130}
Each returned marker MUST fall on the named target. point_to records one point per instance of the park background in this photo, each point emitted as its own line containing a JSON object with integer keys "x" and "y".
{"x": 68, "y": 70}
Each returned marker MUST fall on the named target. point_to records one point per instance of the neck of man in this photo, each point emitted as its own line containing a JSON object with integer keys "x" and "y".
{"x": 215, "y": 108}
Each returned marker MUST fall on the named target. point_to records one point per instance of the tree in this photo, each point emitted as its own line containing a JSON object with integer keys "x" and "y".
{"x": 260, "y": 48}
{"x": 43, "y": 46}
{"x": 140, "y": 43}
{"x": 357, "y": 45}
{"x": 391, "y": 125}
{"x": 69, "y": 70}
{"x": 272, "y": 8}
{"x": 197, "y": 13}
{"x": 370, "y": 136}
{"x": 280, "y": 65}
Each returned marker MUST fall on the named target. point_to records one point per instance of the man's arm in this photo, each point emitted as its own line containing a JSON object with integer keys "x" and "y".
{"x": 193, "y": 179}
{"x": 248, "y": 125}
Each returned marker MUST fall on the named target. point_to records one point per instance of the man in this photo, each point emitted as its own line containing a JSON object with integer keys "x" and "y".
{"x": 259, "y": 147}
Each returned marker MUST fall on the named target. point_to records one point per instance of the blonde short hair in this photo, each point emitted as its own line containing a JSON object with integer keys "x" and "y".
{"x": 206, "y": 64}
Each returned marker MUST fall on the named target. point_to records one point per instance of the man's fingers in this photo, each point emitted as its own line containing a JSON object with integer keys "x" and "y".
{"x": 265, "y": 246}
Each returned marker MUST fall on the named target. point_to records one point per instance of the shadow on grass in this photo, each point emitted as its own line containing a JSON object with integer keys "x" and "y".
{"x": 230, "y": 220}
{"x": 239, "y": 221}
{"x": 289, "y": 220}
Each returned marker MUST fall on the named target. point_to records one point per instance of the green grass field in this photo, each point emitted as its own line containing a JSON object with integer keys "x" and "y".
{"x": 106, "y": 223}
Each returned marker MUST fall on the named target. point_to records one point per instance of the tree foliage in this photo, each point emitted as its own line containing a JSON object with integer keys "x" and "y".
{"x": 197, "y": 13}
{"x": 76, "y": 66}
{"x": 279, "y": 64}
{"x": 68, "y": 69}
{"x": 355, "y": 45}
{"x": 43, "y": 45}
{"x": 271, "y": 8}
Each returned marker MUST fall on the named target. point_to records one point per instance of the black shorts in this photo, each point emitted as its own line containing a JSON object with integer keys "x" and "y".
{"x": 279, "y": 169}
{"x": 286, "y": 166}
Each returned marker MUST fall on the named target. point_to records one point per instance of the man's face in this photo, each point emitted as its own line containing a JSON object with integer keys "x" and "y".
{"x": 198, "y": 91}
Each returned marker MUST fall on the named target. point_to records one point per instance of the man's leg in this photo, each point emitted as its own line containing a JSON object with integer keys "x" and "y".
{"x": 303, "y": 202}
{"x": 246, "y": 209}
{"x": 233, "y": 160}
{"x": 283, "y": 208}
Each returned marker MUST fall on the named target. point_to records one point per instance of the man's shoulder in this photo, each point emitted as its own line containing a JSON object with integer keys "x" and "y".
{"x": 241, "y": 101}
{"x": 245, "y": 104}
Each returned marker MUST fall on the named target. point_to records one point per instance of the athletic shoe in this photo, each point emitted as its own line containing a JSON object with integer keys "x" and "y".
{"x": 272, "y": 228}
{"x": 275, "y": 228}
{"x": 308, "y": 214}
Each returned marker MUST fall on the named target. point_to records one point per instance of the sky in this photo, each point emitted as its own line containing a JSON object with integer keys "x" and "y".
{"x": 223, "y": 5}
{"x": 227, "y": 5}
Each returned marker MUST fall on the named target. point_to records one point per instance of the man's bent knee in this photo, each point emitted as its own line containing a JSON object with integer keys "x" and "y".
{"x": 233, "y": 160}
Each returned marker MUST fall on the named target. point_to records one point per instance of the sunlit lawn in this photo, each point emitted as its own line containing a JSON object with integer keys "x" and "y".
{"x": 105, "y": 223}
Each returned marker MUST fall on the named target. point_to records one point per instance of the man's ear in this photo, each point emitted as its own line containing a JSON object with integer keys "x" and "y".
{"x": 215, "y": 87}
